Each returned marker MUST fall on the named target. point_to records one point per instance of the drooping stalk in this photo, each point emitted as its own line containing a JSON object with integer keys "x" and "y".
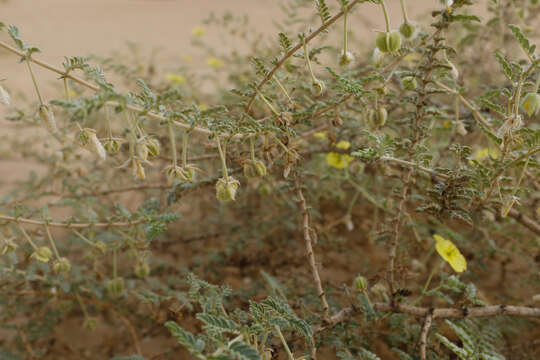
{"x": 51, "y": 240}
{"x": 34, "y": 81}
{"x": 345, "y": 13}
{"x": 27, "y": 237}
{"x": 184, "y": 148}
{"x": 386, "y": 17}
{"x": 173, "y": 142}
{"x": 223, "y": 161}
{"x": 404, "y": 11}
{"x": 282, "y": 338}
{"x": 252, "y": 149}
{"x": 282, "y": 88}
{"x": 306, "y": 55}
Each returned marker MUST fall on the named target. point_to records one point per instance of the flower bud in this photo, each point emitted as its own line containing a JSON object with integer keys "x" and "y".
{"x": 346, "y": 58}
{"x": 112, "y": 146}
{"x": 142, "y": 269}
{"x": 46, "y": 114}
{"x": 254, "y": 168}
{"x": 42, "y": 254}
{"x": 8, "y": 245}
{"x": 184, "y": 174}
{"x": 61, "y": 265}
{"x": 226, "y": 189}
{"x": 408, "y": 30}
{"x": 360, "y": 283}
{"x": 536, "y": 298}
{"x": 348, "y": 222}
{"x": 531, "y": 103}
{"x": 417, "y": 266}
{"x": 409, "y": 83}
{"x": 88, "y": 138}
{"x": 317, "y": 87}
{"x": 388, "y": 41}
{"x": 4, "y": 96}
{"x": 380, "y": 290}
{"x": 90, "y": 323}
{"x": 115, "y": 286}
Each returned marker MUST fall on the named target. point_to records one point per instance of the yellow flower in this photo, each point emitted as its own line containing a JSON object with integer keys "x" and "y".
{"x": 484, "y": 153}
{"x": 214, "y": 62}
{"x": 203, "y": 107}
{"x": 337, "y": 160}
{"x": 320, "y": 135}
{"x": 187, "y": 58}
{"x": 198, "y": 31}
{"x": 450, "y": 253}
{"x": 176, "y": 79}
{"x": 446, "y": 124}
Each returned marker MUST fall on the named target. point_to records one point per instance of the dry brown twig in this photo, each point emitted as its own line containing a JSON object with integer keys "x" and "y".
{"x": 424, "y": 334}
{"x": 309, "y": 247}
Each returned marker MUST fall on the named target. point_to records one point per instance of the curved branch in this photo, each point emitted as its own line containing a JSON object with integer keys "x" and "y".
{"x": 295, "y": 49}
{"x": 71, "y": 225}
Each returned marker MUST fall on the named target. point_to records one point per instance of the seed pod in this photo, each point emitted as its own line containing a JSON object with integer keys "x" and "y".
{"x": 42, "y": 254}
{"x": 348, "y": 223}
{"x": 61, "y": 265}
{"x": 317, "y": 87}
{"x": 380, "y": 291}
{"x": 4, "y": 96}
{"x": 46, "y": 114}
{"x": 381, "y": 117}
{"x": 184, "y": 174}
{"x": 536, "y": 298}
{"x": 254, "y": 169}
{"x": 360, "y": 283}
{"x": 115, "y": 286}
{"x": 408, "y": 30}
{"x": 226, "y": 189}
{"x": 96, "y": 146}
{"x": 377, "y": 56}
{"x": 409, "y": 83}
{"x": 346, "y": 59}
{"x": 112, "y": 146}
{"x": 153, "y": 147}
{"x": 388, "y": 41}
{"x": 138, "y": 169}
{"x": 453, "y": 70}
{"x": 142, "y": 150}
{"x": 8, "y": 246}
{"x": 90, "y": 323}
{"x": 461, "y": 129}
{"x": 531, "y": 103}
{"x": 100, "y": 246}
{"x": 142, "y": 269}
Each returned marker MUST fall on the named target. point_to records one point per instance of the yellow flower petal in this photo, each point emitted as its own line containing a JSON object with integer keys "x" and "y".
{"x": 198, "y": 31}
{"x": 320, "y": 135}
{"x": 343, "y": 145}
{"x": 214, "y": 62}
{"x": 177, "y": 79}
{"x": 450, "y": 253}
{"x": 338, "y": 161}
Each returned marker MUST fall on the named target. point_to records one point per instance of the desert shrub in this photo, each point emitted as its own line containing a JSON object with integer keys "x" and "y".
{"x": 339, "y": 202}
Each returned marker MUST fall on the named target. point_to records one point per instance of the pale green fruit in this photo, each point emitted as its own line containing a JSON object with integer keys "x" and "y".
{"x": 388, "y": 41}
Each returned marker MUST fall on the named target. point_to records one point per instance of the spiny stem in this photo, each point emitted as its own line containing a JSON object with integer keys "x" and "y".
{"x": 34, "y": 81}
